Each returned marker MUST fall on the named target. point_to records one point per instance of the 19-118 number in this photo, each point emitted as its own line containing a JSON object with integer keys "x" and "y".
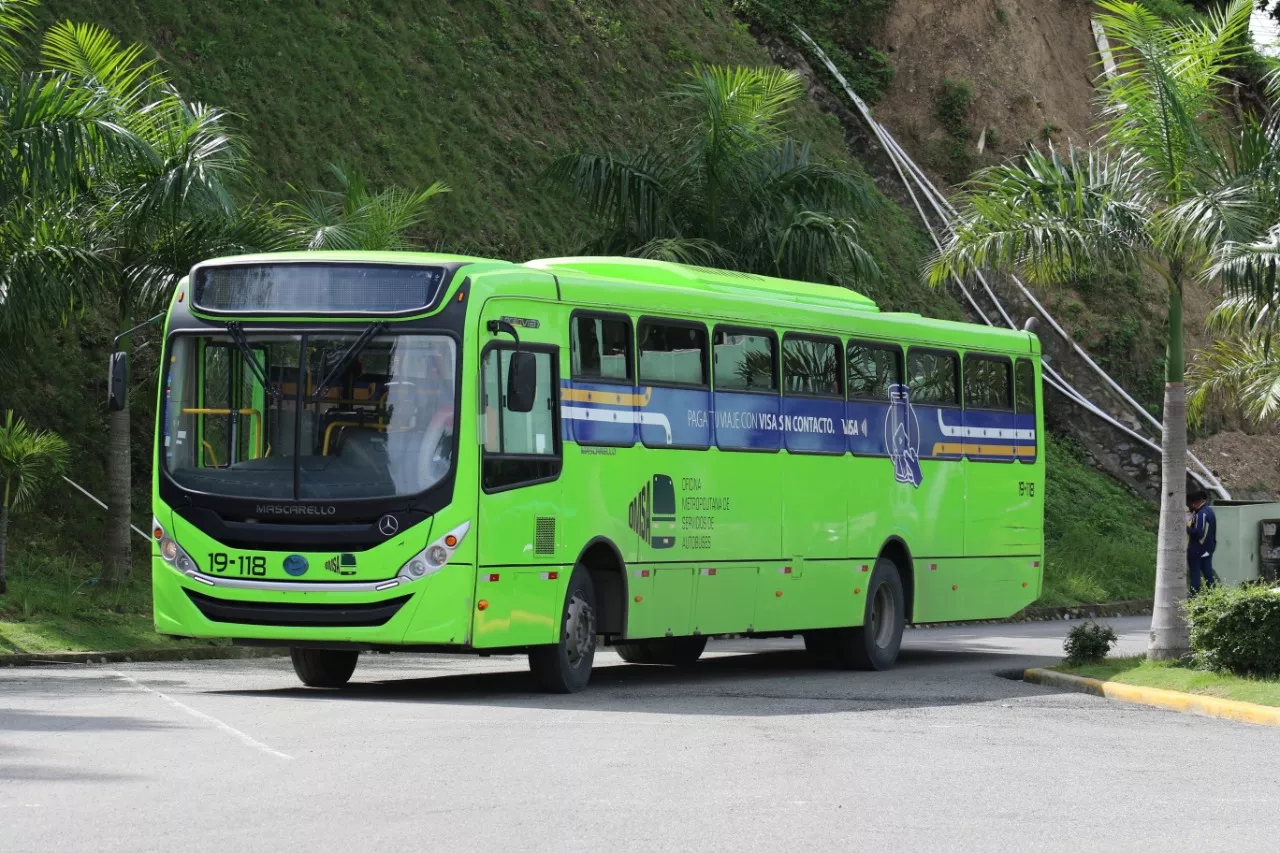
{"x": 244, "y": 564}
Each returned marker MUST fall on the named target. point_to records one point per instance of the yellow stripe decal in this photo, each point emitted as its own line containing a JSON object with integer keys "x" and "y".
{"x": 605, "y": 398}
{"x": 947, "y": 448}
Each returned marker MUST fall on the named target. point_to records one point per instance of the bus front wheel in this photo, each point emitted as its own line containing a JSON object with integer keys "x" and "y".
{"x": 565, "y": 667}
{"x": 324, "y": 667}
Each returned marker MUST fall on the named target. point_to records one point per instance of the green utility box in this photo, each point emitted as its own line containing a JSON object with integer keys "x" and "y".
{"x": 1248, "y": 539}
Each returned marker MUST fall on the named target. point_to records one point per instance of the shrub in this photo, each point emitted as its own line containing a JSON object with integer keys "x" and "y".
{"x": 1088, "y": 642}
{"x": 1237, "y": 629}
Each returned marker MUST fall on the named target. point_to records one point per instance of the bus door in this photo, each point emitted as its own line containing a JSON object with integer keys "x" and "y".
{"x": 520, "y": 497}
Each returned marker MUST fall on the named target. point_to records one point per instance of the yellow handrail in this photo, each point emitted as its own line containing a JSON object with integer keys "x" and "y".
{"x": 252, "y": 412}
{"x": 328, "y": 431}
{"x": 209, "y": 447}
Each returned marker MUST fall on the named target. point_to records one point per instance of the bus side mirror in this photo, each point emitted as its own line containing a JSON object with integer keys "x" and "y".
{"x": 117, "y": 381}
{"x": 522, "y": 381}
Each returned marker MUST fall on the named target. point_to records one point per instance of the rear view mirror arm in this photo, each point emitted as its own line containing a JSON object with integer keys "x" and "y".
{"x": 115, "y": 342}
{"x": 499, "y": 327}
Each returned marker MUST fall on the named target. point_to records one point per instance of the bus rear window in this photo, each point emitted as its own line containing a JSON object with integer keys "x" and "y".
{"x": 1026, "y": 387}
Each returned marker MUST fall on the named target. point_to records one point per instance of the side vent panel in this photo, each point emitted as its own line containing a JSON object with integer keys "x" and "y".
{"x": 544, "y": 535}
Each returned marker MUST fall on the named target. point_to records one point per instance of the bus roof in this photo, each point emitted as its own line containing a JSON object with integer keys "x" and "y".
{"x": 749, "y": 293}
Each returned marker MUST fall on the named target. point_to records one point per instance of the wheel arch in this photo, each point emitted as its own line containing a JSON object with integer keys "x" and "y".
{"x": 895, "y": 550}
{"x": 603, "y": 561}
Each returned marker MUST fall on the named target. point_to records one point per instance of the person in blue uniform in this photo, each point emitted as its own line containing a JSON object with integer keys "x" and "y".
{"x": 1202, "y": 540}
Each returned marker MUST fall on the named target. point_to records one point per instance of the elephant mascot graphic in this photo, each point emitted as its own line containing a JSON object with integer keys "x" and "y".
{"x": 902, "y": 436}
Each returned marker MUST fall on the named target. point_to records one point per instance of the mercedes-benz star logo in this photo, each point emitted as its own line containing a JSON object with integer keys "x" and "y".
{"x": 388, "y": 525}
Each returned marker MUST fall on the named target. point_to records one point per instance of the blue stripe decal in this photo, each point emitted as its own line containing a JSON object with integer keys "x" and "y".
{"x": 595, "y": 413}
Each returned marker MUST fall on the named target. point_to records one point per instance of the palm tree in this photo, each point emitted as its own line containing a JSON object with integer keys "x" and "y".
{"x": 729, "y": 188}
{"x": 152, "y": 216}
{"x": 54, "y": 134}
{"x": 29, "y": 458}
{"x": 1145, "y": 198}
{"x": 353, "y": 217}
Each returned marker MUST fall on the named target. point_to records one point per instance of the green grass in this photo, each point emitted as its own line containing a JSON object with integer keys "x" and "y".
{"x": 54, "y": 604}
{"x": 1100, "y": 540}
{"x": 480, "y": 95}
{"x": 1173, "y": 676}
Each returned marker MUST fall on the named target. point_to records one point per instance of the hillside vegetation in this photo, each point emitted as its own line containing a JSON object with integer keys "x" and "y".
{"x": 481, "y": 95}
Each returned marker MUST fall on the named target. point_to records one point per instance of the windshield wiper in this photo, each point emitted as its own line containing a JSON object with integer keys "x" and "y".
{"x": 246, "y": 352}
{"x": 347, "y": 357}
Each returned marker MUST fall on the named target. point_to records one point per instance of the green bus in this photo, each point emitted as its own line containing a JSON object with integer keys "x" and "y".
{"x": 402, "y": 451}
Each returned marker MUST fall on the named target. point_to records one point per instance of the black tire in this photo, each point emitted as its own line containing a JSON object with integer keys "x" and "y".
{"x": 818, "y": 645}
{"x": 635, "y": 651}
{"x": 875, "y": 645}
{"x": 324, "y": 667}
{"x": 667, "y": 651}
{"x": 565, "y": 667}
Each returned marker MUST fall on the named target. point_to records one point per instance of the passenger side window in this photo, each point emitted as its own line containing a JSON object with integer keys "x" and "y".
{"x": 673, "y": 354}
{"x": 933, "y": 377}
{"x": 601, "y": 348}
{"x": 811, "y": 367}
{"x": 746, "y": 360}
{"x": 1026, "y": 387}
{"x": 987, "y": 383}
{"x": 872, "y": 369}
{"x": 519, "y": 447}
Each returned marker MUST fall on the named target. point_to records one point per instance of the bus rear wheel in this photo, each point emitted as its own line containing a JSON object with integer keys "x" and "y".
{"x": 668, "y": 651}
{"x": 565, "y": 667}
{"x": 323, "y": 667}
{"x": 875, "y": 645}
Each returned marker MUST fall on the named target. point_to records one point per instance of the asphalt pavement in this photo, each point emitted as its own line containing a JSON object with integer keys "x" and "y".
{"x": 751, "y": 750}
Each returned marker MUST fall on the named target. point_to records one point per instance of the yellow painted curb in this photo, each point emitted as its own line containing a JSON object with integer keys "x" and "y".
{"x": 1174, "y": 700}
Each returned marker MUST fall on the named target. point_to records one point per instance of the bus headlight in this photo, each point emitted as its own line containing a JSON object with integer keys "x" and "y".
{"x": 172, "y": 552}
{"x": 433, "y": 558}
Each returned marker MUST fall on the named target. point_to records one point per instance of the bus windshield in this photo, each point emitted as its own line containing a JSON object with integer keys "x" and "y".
{"x": 353, "y": 415}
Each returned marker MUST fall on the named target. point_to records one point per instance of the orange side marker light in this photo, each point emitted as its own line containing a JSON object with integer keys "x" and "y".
{"x": 482, "y": 605}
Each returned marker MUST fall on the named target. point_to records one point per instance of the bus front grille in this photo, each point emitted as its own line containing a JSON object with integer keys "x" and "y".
{"x": 300, "y": 615}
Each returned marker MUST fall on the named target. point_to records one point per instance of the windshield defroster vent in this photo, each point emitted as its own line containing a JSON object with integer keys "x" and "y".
{"x": 544, "y": 535}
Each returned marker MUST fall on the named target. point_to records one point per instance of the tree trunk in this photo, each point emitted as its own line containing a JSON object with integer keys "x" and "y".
{"x": 119, "y": 558}
{"x": 1170, "y": 638}
{"x": 119, "y": 499}
{"x": 4, "y": 539}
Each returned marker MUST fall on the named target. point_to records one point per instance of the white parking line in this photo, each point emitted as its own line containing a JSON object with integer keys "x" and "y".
{"x": 201, "y": 715}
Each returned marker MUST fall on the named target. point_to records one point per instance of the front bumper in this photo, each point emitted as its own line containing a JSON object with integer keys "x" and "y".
{"x": 434, "y": 610}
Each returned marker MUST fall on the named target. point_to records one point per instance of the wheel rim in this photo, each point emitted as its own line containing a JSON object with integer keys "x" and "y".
{"x": 882, "y": 616}
{"x": 580, "y": 628}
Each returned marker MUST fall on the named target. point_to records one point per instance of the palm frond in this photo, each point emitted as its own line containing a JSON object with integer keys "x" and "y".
{"x": 628, "y": 192}
{"x": 1163, "y": 99}
{"x": 100, "y": 63}
{"x": 686, "y": 250}
{"x": 1051, "y": 217}
{"x": 16, "y": 23}
{"x": 29, "y": 458}
{"x": 1240, "y": 374}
